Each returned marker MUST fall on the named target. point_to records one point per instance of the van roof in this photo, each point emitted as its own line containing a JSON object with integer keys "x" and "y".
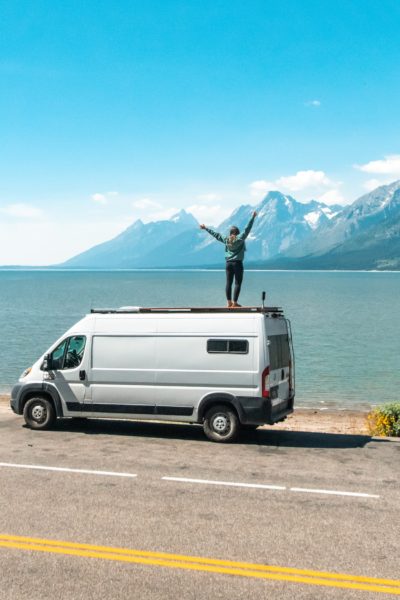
{"x": 272, "y": 310}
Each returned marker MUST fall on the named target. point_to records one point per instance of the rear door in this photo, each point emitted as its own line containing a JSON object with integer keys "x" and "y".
{"x": 280, "y": 365}
{"x": 279, "y": 357}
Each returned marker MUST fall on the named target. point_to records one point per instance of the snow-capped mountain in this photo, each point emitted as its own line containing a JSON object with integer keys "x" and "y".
{"x": 281, "y": 222}
{"x": 380, "y": 206}
{"x": 286, "y": 234}
{"x": 131, "y": 247}
{"x": 365, "y": 235}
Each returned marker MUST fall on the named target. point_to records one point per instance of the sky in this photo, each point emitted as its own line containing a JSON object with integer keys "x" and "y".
{"x": 114, "y": 111}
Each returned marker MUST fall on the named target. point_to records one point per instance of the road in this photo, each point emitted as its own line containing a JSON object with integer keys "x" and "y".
{"x": 118, "y": 509}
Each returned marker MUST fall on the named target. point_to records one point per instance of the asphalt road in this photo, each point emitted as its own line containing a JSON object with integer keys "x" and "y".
{"x": 140, "y": 510}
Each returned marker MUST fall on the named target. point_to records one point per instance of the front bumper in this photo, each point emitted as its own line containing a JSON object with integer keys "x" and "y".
{"x": 15, "y": 398}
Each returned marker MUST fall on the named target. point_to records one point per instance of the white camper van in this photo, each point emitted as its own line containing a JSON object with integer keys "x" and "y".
{"x": 223, "y": 368}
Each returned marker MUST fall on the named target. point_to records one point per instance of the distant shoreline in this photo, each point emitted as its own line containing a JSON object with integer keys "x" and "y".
{"x": 184, "y": 270}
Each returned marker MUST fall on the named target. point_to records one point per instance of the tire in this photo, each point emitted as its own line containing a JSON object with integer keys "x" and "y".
{"x": 39, "y": 413}
{"x": 221, "y": 424}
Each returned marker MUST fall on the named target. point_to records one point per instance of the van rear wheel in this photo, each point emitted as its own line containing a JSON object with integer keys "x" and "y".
{"x": 39, "y": 413}
{"x": 221, "y": 424}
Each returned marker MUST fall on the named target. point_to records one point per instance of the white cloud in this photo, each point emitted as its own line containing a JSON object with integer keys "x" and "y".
{"x": 162, "y": 215}
{"x": 103, "y": 198}
{"x": 146, "y": 204}
{"x": 261, "y": 187}
{"x": 22, "y": 211}
{"x": 28, "y": 243}
{"x": 390, "y": 165}
{"x": 304, "y": 185}
{"x": 209, "y": 197}
{"x": 332, "y": 197}
{"x": 99, "y": 198}
{"x": 314, "y": 103}
{"x": 302, "y": 180}
{"x": 209, "y": 214}
{"x": 372, "y": 184}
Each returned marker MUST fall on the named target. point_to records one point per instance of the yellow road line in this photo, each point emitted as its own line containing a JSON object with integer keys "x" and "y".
{"x": 321, "y": 578}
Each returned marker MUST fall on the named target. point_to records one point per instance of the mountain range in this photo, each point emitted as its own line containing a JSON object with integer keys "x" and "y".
{"x": 286, "y": 234}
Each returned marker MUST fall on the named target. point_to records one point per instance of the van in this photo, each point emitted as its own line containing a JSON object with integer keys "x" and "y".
{"x": 226, "y": 369}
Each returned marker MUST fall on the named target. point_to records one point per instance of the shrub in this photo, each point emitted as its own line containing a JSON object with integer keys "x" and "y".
{"x": 385, "y": 420}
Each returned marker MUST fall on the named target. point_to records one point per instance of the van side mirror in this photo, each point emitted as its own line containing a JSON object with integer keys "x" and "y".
{"x": 47, "y": 363}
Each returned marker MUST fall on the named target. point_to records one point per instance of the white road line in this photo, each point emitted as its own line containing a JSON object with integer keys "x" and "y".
{"x": 268, "y": 487}
{"x": 260, "y": 486}
{"x": 227, "y": 483}
{"x": 66, "y": 470}
{"x": 333, "y": 492}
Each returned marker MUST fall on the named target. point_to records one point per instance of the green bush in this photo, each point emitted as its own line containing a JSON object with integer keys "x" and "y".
{"x": 385, "y": 420}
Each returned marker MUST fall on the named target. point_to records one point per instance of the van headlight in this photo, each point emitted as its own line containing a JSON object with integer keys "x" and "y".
{"x": 26, "y": 372}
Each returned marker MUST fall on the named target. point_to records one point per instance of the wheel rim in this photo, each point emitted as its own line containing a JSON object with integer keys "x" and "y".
{"x": 38, "y": 413}
{"x": 221, "y": 424}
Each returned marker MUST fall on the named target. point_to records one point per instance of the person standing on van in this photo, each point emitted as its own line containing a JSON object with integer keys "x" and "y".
{"x": 235, "y": 248}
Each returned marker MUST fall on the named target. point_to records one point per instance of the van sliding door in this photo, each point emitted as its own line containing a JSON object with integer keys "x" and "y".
{"x": 122, "y": 375}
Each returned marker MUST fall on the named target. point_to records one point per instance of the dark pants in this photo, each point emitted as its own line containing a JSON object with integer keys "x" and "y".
{"x": 234, "y": 269}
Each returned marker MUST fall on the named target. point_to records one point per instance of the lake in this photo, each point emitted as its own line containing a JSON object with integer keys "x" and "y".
{"x": 346, "y": 325}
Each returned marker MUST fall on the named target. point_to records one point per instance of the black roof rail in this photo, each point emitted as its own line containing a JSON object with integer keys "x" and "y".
{"x": 187, "y": 309}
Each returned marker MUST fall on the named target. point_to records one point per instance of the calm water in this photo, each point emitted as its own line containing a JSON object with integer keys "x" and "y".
{"x": 346, "y": 326}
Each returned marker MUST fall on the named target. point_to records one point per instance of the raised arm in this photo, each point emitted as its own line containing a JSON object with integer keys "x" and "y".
{"x": 215, "y": 234}
{"x": 247, "y": 229}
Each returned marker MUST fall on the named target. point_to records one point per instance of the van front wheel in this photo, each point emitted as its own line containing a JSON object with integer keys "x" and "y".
{"x": 221, "y": 424}
{"x": 39, "y": 413}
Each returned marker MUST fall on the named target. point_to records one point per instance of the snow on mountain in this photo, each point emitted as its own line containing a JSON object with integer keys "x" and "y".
{"x": 281, "y": 222}
{"x": 379, "y": 206}
{"x": 375, "y": 248}
{"x": 313, "y": 218}
{"x": 316, "y": 217}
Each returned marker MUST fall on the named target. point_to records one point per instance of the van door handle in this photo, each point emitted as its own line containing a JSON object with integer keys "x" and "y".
{"x": 82, "y": 375}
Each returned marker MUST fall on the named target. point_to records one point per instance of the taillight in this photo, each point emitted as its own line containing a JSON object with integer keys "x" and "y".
{"x": 265, "y": 383}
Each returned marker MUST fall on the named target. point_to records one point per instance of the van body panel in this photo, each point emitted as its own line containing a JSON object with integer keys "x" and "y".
{"x": 70, "y": 389}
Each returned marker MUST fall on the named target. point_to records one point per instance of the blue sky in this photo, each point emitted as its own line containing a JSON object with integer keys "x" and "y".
{"x": 113, "y": 111}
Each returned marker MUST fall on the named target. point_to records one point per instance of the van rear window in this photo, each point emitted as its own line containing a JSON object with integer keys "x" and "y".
{"x": 279, "y": 351}
{"x": 228, "y": 346}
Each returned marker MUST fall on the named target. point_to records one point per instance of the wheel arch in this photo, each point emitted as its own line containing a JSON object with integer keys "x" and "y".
{"x": 219, "y": 398}
{"x": 45, "y": 391}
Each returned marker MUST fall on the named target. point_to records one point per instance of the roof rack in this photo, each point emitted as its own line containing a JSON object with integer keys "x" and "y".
{"x": 187, "y": 309}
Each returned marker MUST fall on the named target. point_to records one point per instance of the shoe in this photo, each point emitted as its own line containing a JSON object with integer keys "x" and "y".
{"x": 236, "y": 305}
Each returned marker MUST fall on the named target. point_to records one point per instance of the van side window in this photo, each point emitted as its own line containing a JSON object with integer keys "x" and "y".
{"x": 69, "y": 354}
{"x": 228, "y": 346}
{"x": 57, "y": 356}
